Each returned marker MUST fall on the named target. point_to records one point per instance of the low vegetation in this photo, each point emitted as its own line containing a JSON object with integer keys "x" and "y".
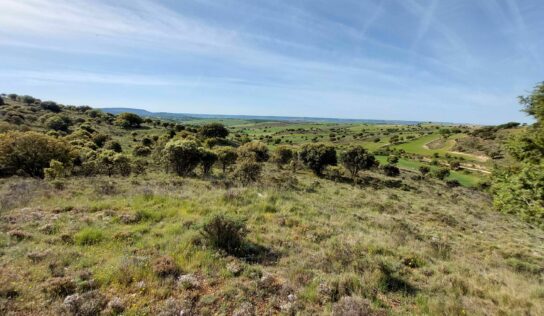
{"x": 105, "y": 214}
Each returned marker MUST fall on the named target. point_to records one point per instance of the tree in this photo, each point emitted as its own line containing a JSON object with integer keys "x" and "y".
{"x": 207, "y": 160}
{"x": 182, "y": 156}
{"x": 226, "y": 156}
{"x": 317, "y": 157}
{"x": 282, "y": 155}
{"x": 30, "y": 152}
{"x": 128, "y": 120}
{"x": 519, "y": 188}
{"x": 214, "y": 130}
{"x": 357, "y": 159}
{"x": 1, "y": 101}
{"x": 255, "y": 149}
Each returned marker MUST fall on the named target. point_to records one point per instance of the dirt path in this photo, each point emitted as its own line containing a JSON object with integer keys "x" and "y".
{"x": 480, "y": 158}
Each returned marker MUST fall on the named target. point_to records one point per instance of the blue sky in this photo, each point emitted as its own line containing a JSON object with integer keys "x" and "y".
{"x": 454, "y": 61}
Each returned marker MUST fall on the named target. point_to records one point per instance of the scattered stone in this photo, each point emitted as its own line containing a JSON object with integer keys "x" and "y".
{"x": 246, "y": 309}
{"x": 291, "y": 297}
{"x": 188, "y": 282}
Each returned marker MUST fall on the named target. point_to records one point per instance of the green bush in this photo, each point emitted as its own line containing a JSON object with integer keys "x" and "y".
{"x": 248, "y": 170}
{"x": 182, "y": 156}
{"x": 282, "y": 155}
{"x": 356, "y": 159}
{"x": 520, "y": 191}
{"x": 213, "y": 130}
{"x": 128, "y": 120}
{"x": 111, "y": 163}
{"x": 255, "y": 149}
{"x": 29, "y": 153}
{"x": 226, "y": 156}
{"x": 441, "y": 173}
{"x": 391, "y": 170}
{"x": 50, "y": 106}
{"x": 317, "y": 157}
{"x": 424, "y": 170}
{"x": 58, "y": 123}
{"x": 207, "y": 160}
{"x": 225, "y": 232}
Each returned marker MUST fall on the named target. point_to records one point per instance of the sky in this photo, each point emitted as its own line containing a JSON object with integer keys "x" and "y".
{"x": 462, "y": 61}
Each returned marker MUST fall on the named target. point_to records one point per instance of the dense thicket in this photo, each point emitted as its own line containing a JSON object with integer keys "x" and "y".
{"x": 28, "y": 153}
{"x": 519, "y": 189}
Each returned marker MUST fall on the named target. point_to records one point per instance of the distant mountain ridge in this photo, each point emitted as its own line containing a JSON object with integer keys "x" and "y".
{"x": 192, "y": 116}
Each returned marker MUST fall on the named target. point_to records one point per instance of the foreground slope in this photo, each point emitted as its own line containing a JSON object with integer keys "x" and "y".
{"x": 419, "y": 249}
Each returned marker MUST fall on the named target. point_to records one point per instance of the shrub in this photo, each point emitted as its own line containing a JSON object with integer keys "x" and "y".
{"x": 114, "y": 146}
{"x": 317, "y": 157}
{"x": 30, "y": 153}
{"x": 182, "y": 156}
{"x": 128, "y": 120}
{"x": 165, "y": 266}
{"x": 213, "y": 130}
{"x": 89, "y": 236}
{"x": 226, "y": 156}
{"x": 254, "y": 149}
{"x": 282, "y": 155}
{"x": 391, "y": 170}
{"x": 50, "y": 106}
{"x": 55, "y": 170}
{"x": 100, "y": 139}
{"x": 146, "y": 141}
{"x": 352, "y": 305}
{"x": 1, "y": 101}
{"x": 225, "y": 232}
{"x": 111, "y": 163}
{"x": 393, "y": 159}
{"x": 248, "y": 170}
{"x": 453, "y": 183}
{"x": 207, "y": 160}
{"x": 26, "y": 99}
{"x": 58, "y": 123}
{"x": 424, "y": 170}
{"x": 356, "y": 159}
{"x": 520, "y": 192}
{"x": 141, "y": 151}
{"x": 441, "y": 173}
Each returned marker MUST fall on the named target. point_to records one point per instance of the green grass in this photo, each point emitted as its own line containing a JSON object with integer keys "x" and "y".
{"x": 410, "y": 250}
{"x": 465, "y": 179}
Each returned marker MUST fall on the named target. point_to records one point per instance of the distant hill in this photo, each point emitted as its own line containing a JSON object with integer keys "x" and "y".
{"x": 192, "y": 116}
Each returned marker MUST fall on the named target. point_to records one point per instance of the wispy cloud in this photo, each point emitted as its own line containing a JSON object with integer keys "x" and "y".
{"x": 374, "y": 51}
